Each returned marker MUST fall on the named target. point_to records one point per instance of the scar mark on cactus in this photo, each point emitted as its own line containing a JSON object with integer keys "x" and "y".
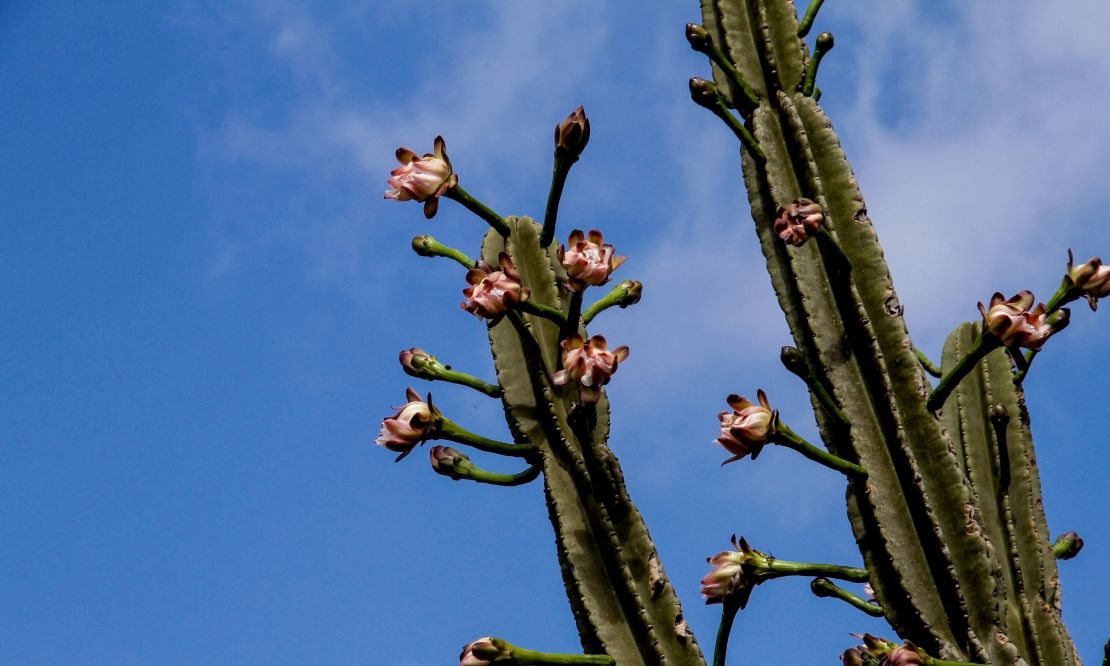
{"x": 657, "y": 582}
{"x": 893, "y": 307}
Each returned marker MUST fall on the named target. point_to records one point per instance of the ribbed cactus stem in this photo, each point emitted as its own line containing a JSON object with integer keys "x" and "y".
{"x": 823, "y": 587}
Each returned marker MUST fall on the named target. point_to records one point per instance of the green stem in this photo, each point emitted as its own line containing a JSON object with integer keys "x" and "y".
{"x": 471, "y": 381}
{"x": 930, "y": 367}
{"x": 807, "y": 20}
{"x": 558, "y": 179}
{"x": 825, "y": 236}
{"x": 524, "y": 657}
{"x": 541, "y": 310}
{"x": 480, "y": 475}
{"x": 426, "y": 246}
{"x": 823, "y": 587}
{"x": 985, "y": 344}
{"x": 728, "y": 613}
{"x": 824, "y": 45}
{"x": 574, "y": 315}
{"x": 933, "y": 661}
{"x": 449, "y": 430}
{"x": 624, "y": 294}
{"x": 750, "y": 100}
{"x": 775, "y": 568}
{"x": 784, "y": 436}
{"x": 721, "y": 111}
{"x": 457, "y": 193}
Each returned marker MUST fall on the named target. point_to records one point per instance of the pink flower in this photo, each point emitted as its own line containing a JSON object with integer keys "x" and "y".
{"x": 481, "y": 652}
{"x": 572, "y": 135}
{"x": 588, "y": 363}
{"x": 728, "y": 577}
{"x": 589, "y": 260}
{"x": 422, "y": 178}
{"x": 492, "y": 293}
{"x": 1016, "y": 325}
{"x": 413, "y": 423}
{"x": 903, "y": 655}
{"x": 1091, "y": 277}
{"x": 799, "y": 221}
{"x": 746, "y": 429}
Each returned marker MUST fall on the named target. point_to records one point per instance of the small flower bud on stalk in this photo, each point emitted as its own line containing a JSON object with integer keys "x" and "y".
{"x": 449, "y": 462}
{"x": 483, "y": 652}
{"x": 698, "y": 37}
{"x": 624, "y": 294}
{"x": 704, "y": 93}
{"x": 572, "y": 135}
{"x": 423, "y": 179}
{"x": 1067, "y": 545}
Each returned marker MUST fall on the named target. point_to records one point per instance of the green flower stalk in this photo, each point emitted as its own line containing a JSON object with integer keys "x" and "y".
{"x": 419, "y": 363}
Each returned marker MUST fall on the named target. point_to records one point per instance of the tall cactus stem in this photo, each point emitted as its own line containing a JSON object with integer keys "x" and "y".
{"x": 559, "y": 175}
{"x": 984, "y": 344}
{"x": 545, "y": 311}
{"x": 811, "y": 14}
{"x": 426, "y": 246}
{"x": 784, "y": 436}
{"x": 825, "y": 43}
{"x": 730, "y": 606}
{"x": 457, "y": 193}
{"x": 823, "y": 587}
{"x": 449, "y": 430}
{"x": 792, "y": 359}
{"x": 929, "y": 367}
{"x": 705, "y": 94}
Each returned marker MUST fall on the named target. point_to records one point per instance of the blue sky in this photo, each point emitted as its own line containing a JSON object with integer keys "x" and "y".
{"x": 204, "y": 295}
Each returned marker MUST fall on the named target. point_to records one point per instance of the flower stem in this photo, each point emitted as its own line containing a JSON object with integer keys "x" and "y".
{"x": 775, "y": 568}
{"x": 728, "y": 613}
{"x": 750, "y": 100}
{"x": 426, "y": 246}
{"x": 480, "y": 475}
{"x": 449, "y": 430}
{"x": 824, "y": 45}
{"x": 541, "y": 310}
{"x": 574, "y": 315}
{"x": 524, "y": 657}
{"x": 807, "y": 20}
{"x": 559, "y": 174}
{"x": 823, "y": 587}
{"x": 983, "y": 346}
{"x": 457, "y": 193}
{"x": 784, "y": 436}
{"x": 463, "y": 379}
{"x": 620, "y": 296}
{"x": 930, "y": 367}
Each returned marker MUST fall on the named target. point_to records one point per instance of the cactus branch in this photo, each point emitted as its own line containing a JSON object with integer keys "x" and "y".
{"x": 823, "y": 587}
{"x": 559, "y": 175}
{"x": 984, "y": 344}
{"x": 784, "y": 436}
{"x": 930, "y": 367}
{"x": 449, "y": 430}
{"x": 824, "y": 45}
{"x": 811, "y": 14}
{"x": 457, "y": 193}
{"x": 624, "y": 294}
{"x": 426, "y": 246}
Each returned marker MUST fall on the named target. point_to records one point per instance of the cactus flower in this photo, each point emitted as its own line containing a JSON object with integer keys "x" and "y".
{"x": 588, "y": 259}
{"x": 414, "y": 423}
{"x": 493, "y": 293}
{"x": 588, "y": 363}
{"x": 746, "y": 429}
{"x": 423, "y": 179}
{"x": 799, "y": 221}
{"x": 727, "y": 577}
{"x": 1090, "y": 277}
{"x": 481, "y": 652}
{"x": 572, "y": 135}
{"x": 1016, "y": 325}
{"x": 903, "y": 655}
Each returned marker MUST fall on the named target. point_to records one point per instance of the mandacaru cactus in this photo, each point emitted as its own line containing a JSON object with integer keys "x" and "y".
{"x": 942, "y": 489}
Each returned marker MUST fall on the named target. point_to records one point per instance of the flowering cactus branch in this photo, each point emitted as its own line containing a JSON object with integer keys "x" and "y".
{"x": 807, "y": 21}
{"x": 419, "y": 363}
{"x": 449, "y": 430}
{"x": 793, "y": 359}
{"x": 457, "y": 193}
{"x": 823, "y": 587}
{"x": 702, "y": 42}
{"x": 426, "y": 246}
{"x": 984, "y": 344}
{"x": 784, "y": 436}
{"x": 929, "y": 367}
{"x": 624, "y": 294}
{"x": 825, "y": 43}
{"x": 705, "y": 95}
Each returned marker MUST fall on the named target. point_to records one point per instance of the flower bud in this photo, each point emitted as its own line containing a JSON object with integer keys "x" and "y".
{"x": 493, "y": 293}
{"x": 632, "y": 289}
{"x": 423, "y": 179}
{"x": 588, "y": 260}
{"x": 852, "y": 657}
{"x": 747, "y": 428}
{"x": 1091, "y": 277}
{"x": 419, "y": 363}
{"x": 799, "y": 221}
{"x": 572, "y": 135}
{"x": 420, "y": 246}
{"x": 413, "y": 424}
{"x": 698, "y": 37}
{"x": 449, "y": 462}
{"x": 794, "y": 361}
{"x": 703, "y": 92}
{"x": 483, "y": 652}
{"x": 1067, "y": 545}
{"x": 588, "y": 363}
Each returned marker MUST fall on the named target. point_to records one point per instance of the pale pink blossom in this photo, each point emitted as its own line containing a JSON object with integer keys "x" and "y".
{"x": 1016, "y": 325}
{"x": 1091, "y": 277}
{"x": 727, "y": 577}
{"x": 424, "y": 178}
{"x": 493, "y": 293}
{"x": 588, "y": 259}
{"x": 746, "y": 429}
{"x": 413, "y": 423}
{"x": 588, "y": 363}
{"x": 799, "y": 221}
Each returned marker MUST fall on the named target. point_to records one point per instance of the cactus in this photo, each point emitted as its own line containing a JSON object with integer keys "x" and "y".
{"x": 942, "y": 489}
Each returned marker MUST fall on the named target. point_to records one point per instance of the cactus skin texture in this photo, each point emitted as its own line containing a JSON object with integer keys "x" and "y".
{"x": 961, "y": 566}
{"x": 623, "y": 603}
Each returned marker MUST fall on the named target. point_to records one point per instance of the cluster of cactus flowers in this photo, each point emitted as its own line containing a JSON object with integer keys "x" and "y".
{"x": 946, "y": 468}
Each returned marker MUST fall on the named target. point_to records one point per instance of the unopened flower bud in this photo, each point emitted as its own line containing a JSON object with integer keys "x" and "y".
{"x": 448, "y": 461}
{"x": 419, "y": 363}
{"x": 852, "y": 657}
{"x": 420, "y": 246}
{"x": 703, "y": 92}
{"x": 998, "y": 414}
{"x": 588, "y": 363}
{"x": 1067, "y": 545}
{"x": 746, "y": 429}
{"x": 825, "y": 41}
{"x": 423, "y": 179}
{"x": 1090, "y": 277}
{"x": 483, "y": 652}
{"x": 493, "y": 293}
{"x": 414, "y": 423}
{"x": 903, "y": 655}
{"x": 632, "y": 289}
{"x": 794, "y": 361}
{"x": 588, "y": 259}
{"x": 698, "y": 37}
{"x": 572, "y": 135}
{"x": 799, "y": 221}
